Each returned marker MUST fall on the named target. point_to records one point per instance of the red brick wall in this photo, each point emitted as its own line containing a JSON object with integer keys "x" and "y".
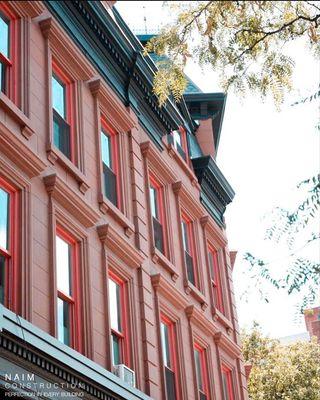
{"x": 312, "y": 320}
{"x": 125, "y": 243}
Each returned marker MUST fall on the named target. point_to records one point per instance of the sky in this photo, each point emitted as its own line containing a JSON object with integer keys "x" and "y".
{"x": 264, "y": 154}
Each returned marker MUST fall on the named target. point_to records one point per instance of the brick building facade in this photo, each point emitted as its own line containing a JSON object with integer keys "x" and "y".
{"x": 113, "y": 252}
{"x": 312, "y": 321}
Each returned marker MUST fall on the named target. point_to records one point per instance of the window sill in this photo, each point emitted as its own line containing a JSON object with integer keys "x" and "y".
{"x": 195, "y": 292}
{"x": 55, "y": 155}
{"x": 161, "y": 259}
{"x": 183, "y": 164}
{"x": 9, "y": 107}
{"x": 218, "y": 316}
{"x": 107, "y": 207}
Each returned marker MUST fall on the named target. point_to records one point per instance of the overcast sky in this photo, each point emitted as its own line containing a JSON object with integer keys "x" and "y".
{"x": 264, "y": 154}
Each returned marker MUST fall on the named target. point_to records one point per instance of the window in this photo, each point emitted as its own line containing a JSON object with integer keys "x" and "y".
{"x": 110, "y": 164}
{"x": 117, "y": 312}
{"x": 227, "y": 383}
{"x": 61, "y": 106}
{"x": 201, "y": 372}
{"x": 5, "y": 242}
{"x": 5, "y": 62}
{"x": 178, "y": 140}
{"x": 169, "y": 359}
{"x": 156, "y": 206}
{"x": 67, "y": 302}
{"x": 188, "y": 247}
{"x": 215, "y": 278}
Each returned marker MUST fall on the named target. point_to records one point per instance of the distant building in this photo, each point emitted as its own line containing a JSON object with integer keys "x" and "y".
{"x": 299, "y": 337}
{"x": 115, "y": 273}
{"x": 312, "y": 320}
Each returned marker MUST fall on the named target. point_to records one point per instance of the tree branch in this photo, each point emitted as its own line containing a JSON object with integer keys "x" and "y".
{"x": 270, "y": 33}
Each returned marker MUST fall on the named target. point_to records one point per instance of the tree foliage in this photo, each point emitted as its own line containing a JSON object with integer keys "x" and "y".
{"x": 281, "y": 372}
{"x": 302, "y": 274}
{"x": 243, "y": 41}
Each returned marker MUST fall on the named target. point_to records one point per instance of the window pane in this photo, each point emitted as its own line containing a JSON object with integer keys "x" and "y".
{"x": 197, "y": 359}
{"x": 110, "y": 184}
{"x": 4, "y": 37}
{"x": 184, "y": 226}
{"x": 2, "y": 278}
{"x": 2, "y": 78}
{"x": 116, "y": 350}
{"x": 115, "y": 305}
{"x": 61, "y": 134}
{"x": 63, "y": 321}
{"x": 153, "y": 202}
{"x": 158, "y": 235}
{"x": 170, "y": 384}
{"x": 211, "y": 265}
{"x": 165, "y": 345}
{"x": 63, "y": 258}
{"x": 106, "y": 150}
{"x": 225, "y": 386}
{"x": 58, "y": 97}
{"x": 4, "y": 219}
{"x": 176, "y": 138}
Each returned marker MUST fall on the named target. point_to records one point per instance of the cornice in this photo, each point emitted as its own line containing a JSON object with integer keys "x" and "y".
{"x": 207, "y": 170}
{"x": 70, "y": 201}
{"x": 112, "y": 54}
{"x": 228, "y": 345}
{"x": 149, "y": 151}
{"x": 19, "y": 153}
{"x": 120, "y": 246}
{"x": 113, "y": 109}
{"x": 168, "y": 291}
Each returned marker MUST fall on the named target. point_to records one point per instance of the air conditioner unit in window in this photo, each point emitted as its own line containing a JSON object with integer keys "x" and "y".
{"x": 125, "y": 373}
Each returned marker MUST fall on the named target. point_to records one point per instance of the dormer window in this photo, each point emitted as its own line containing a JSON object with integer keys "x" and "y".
{"x": 179, "y": 143}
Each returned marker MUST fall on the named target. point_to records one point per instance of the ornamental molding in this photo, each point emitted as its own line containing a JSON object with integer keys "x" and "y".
{"x": 213, "y": 230}
{"x": 111, "y": 106}
{"x": 226, "y": 344}
{"x": 191, "y": 203}
{"x": 120, "y": 246}
{"x": 156, "y": 162}
{"x": 197, "y": 318}
{"x": 19, "y": 153}
{"x": 63, "y": 48}
{"x": 168, "y": 291}
{"x": 70, "y": 201}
